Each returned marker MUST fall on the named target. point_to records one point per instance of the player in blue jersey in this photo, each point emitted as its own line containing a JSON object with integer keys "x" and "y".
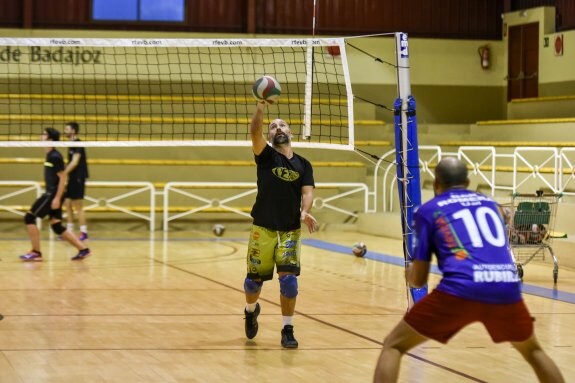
{"x": 466, "y": 232}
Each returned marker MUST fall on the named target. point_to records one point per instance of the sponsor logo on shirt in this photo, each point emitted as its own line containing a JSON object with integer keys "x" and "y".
{"x": 464, "y": 200}
{"x": 450, "y": 237}
{"x": 285, "y": 174}
{"x": 495, "y": 273}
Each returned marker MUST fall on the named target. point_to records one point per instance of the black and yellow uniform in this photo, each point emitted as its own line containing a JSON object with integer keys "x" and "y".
{"x": 275, "y": 234}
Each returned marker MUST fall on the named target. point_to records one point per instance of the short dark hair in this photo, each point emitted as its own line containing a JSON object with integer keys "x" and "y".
{"x": 74, "y": 125}
{"x": 53, "y": 134}
{"x": 451, "y": 172}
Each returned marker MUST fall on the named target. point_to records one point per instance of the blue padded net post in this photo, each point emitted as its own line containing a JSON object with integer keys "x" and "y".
{"x": 407, "y": 157}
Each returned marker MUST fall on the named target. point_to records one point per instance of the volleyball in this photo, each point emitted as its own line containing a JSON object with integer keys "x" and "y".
{"x": 359, "y": 249}
{"x": 218, "y": 230}
{"x": 267, "y": 89}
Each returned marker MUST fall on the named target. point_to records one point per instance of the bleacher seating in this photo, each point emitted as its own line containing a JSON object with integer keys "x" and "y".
{"x": 541, "y": 107}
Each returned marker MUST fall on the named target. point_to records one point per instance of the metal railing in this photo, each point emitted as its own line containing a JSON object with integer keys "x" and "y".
{"x": 19, "y": 188}
{"x": 550, "y": 168}
{"x": 109, "y": 202}
{"x": 235, "y": 191}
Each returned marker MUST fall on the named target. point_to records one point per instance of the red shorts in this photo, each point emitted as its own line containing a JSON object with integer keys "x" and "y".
{"x": 439, "y": 316}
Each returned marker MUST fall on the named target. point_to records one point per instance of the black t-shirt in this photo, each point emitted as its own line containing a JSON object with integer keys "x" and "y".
{"x": 80, "y": 171}
{"x": 280, "y": 181}
{"x": 52, "y": 166}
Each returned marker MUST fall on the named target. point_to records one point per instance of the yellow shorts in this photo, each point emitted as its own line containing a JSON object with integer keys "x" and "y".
{"x": 269, "y": 248}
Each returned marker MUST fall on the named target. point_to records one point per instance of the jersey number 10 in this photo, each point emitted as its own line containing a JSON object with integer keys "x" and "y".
{"x": 478, "y": 228}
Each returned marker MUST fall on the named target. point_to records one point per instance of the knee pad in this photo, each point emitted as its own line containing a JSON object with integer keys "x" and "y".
{"x": 30, "y": 219}
{"x": 58, "y": 228}
{"x": 252, "y": 287}
{"x": 288, "y": 286}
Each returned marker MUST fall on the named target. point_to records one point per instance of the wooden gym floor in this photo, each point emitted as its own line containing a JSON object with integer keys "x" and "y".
{"x": 145, "y": 308}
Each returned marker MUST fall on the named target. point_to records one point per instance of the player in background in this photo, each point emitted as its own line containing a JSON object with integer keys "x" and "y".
{"x": 466, "y": 232}
{"x": 77, "y": 170}
{"x": 50, "y": 203}
{"x": 284, "y": 199}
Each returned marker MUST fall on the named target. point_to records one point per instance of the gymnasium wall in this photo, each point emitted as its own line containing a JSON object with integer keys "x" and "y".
{"x": 447, "y": 80}
{"x": 556, "y": 74}
{"x": 431, "y": 18}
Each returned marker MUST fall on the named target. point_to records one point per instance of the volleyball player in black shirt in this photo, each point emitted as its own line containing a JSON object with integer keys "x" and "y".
{"x": 50, "y": 203}
{"x": 285, "y": 195}
{"x": 77, "y": 169}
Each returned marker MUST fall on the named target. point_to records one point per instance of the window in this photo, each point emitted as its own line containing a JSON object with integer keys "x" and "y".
{"x": 138, "y": 10}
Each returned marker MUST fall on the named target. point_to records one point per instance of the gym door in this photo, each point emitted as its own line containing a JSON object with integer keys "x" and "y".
{"x": 523, "y": 62}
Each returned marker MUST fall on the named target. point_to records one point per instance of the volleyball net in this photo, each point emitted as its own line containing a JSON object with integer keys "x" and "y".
{"x": 195, "y": 92}
{"x": 172, "y": 92}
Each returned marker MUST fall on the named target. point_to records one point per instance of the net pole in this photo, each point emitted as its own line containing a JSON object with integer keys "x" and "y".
{"x": 407, "y": 157}
{"x": 349, "y": 91}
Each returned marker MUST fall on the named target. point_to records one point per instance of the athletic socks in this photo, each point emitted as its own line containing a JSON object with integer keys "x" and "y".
{"x": 287, "y": 321}
{"x": 251, "y": 307}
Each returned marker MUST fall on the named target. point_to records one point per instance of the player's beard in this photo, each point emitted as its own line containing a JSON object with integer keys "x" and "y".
{"x": 280, "y": 139}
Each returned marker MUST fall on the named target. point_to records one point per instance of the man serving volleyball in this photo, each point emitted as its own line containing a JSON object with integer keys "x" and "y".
{"x": 284, "y": 199}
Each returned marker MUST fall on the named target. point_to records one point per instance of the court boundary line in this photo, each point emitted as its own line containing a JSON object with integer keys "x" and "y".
{"x": 310, "y": 317}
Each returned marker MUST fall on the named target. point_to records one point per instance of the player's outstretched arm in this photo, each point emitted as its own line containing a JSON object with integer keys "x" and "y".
{"x": 256, "y": 131}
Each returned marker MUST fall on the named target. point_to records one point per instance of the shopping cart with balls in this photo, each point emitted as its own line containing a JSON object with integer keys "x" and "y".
{"x": 531, "y": 225}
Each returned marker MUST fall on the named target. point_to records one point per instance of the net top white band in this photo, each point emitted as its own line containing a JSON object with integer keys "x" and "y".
{"x": 127, "y": 144}
{"x": 204, "y": 43}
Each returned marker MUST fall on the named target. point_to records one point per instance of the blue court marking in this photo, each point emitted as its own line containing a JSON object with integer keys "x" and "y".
{"x": 397, "y": 261}
{"x": 543, "y": 292}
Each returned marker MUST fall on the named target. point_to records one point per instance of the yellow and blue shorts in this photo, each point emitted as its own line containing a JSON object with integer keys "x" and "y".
{"x": 269, "y": 248}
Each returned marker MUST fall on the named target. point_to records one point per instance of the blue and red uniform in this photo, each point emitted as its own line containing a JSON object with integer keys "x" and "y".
{"x": 467, "y": 233}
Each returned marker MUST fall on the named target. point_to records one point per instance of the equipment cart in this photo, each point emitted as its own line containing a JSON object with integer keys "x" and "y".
{"x": 531, "y": 224}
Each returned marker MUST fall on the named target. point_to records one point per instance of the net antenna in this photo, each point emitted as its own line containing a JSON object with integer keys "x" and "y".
{"x": 171, "y": 92}
{"x": 313, "y": 18}
{"x": 407, "y": 158}
{"x": 306, "y": 132}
